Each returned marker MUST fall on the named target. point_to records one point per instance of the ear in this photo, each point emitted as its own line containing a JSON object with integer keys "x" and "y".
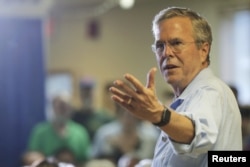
{"x": 205, "y": 48}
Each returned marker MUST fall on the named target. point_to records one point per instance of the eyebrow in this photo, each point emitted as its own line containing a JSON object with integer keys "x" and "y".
{"x": 172, "y": 39}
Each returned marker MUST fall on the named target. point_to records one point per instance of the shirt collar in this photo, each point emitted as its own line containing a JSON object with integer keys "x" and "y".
{"x": 202, "y": 76}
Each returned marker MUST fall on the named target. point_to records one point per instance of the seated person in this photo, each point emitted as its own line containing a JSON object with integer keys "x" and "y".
{"x": 245, "y": 114}
{"x": 30, "y": 157}
{"x": 65, "y": 155}
{"x": 87, "y": 115}
{"x": 60, "y": 132}
{"x": 49, "y": 163}
{"x": 99, "y": 163}
{"x": 125, "y": 135}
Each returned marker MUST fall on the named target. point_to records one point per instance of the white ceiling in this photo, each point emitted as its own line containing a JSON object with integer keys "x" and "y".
{"x": 79, "y": 3}
{"x": 87, "y": 3}
{"x": 89, "y": 7}
{"x": 41, "y": 7}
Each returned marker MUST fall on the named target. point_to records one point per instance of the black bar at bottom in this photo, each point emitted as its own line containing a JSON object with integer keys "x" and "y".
{"x": 226, "y": 158}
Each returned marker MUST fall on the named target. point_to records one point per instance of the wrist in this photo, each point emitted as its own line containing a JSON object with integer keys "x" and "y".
{"x": 165, "y": 117}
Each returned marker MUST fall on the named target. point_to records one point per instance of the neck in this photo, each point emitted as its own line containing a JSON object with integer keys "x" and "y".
{"x": 179, "y": 88}
{"x": 57, "y": 124}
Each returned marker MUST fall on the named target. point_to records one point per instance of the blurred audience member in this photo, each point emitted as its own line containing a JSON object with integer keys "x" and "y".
{"x": 108, "y": 106}
{"x": 65, "y": 155}
{"x": 60, "y": 132}
{"x": 127, "y": 161}
{"x": 100, "y": 163}
{"x": 168, "y": 97}
{"x": 50, "y": 163}
{"x": 245, "y": 113}
{"x": 30, "y": 157}
{"x": 235, "y": 91}
{"x": 144, "y": 163}
{"x": 125, "y": 135}
{"x": 87, "y": 115}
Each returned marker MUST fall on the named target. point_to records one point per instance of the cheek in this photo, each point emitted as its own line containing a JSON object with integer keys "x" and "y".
{"x": 191, "y": 58}
{"x": 186, "y": 63}
{"x": 158, "y": 61}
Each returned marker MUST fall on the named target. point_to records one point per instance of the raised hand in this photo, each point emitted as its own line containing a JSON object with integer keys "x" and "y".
{"x": 138, "y": 99}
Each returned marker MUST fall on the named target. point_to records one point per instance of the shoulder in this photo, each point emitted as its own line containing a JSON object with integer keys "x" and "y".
{"x": 74, "y": 125}
{"x": 76, "y": 128}
{"x": 41, "y": 129}
{"x": 147, "y": 130}
{"x": 112, "y": 126}
{"x": 42, "y": 126}
{"x": 206, "y": 82}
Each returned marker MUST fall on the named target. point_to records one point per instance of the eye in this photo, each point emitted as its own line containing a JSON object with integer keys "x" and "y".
{"x": 160, "y": 45}
{"x": 175, "y": 43}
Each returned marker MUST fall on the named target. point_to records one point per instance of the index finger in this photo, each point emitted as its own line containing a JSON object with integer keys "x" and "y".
{"x": 135, "y": 82}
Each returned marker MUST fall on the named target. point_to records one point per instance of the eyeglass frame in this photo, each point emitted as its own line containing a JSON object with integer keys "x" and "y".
{"x": 171, "y": 44}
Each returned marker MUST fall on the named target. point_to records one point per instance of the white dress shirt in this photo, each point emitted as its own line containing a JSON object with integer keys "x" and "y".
{"x": 212, "y": 107}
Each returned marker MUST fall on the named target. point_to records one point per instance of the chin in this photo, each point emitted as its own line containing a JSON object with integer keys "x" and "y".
{"x": 170, "y": 80}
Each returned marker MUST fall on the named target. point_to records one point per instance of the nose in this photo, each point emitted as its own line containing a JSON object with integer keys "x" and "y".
{"x": 168, "y": 51}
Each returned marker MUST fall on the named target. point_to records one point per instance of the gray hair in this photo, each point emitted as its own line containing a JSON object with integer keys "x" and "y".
{"x": 201, "y": 29}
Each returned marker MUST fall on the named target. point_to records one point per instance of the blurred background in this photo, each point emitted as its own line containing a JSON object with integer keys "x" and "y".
{"x": 48, "y": 46}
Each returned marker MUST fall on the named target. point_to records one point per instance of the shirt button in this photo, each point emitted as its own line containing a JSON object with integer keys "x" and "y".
{"x": 164, "y": 138}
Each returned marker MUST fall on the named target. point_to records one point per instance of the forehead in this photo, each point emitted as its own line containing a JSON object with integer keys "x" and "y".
{"x": 176, "y": 27}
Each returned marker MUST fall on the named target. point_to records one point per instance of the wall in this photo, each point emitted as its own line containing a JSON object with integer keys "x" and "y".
{"x": 124, "y": 44}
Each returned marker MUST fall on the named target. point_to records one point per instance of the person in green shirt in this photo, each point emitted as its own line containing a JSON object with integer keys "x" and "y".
{"x": 60, "y": 133}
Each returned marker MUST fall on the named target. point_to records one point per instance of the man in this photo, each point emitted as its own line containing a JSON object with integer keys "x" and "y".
{"x": 87, "y": 115}
{"x": 204, "y": 115}
{"x": 124, "y": 138}
{"x": 60, "y": 134}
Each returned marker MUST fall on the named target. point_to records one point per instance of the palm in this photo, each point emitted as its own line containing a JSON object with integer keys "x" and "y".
{"x": 145, "y": 103}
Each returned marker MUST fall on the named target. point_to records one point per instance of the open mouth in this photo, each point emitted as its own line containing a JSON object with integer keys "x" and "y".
{"x": 169, "y": 67}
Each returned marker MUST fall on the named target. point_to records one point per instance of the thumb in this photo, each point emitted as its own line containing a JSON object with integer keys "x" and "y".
{"x": 151, "y": 78}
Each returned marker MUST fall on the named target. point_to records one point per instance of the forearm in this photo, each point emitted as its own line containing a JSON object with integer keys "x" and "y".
{"x": 180, "y": 128}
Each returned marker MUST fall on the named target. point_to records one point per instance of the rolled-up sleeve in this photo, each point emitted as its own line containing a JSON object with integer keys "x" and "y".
{"x": 206, "y": 117}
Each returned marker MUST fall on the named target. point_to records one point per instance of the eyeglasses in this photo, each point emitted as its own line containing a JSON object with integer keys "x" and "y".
{"x": 175, "y": 45}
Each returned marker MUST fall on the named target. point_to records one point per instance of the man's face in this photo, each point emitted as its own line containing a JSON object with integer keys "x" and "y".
{"x": 62, "y": 109}
{"x": 179, "y": 66}
{"x": 86, "y": 94}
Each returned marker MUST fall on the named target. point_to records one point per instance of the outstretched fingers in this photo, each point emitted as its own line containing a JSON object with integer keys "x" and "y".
{"x": 138, "y": 86}
{"x": 121, "y": 98}
{"x": 118, "y": 95}
{"x": 139, "y": 99}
